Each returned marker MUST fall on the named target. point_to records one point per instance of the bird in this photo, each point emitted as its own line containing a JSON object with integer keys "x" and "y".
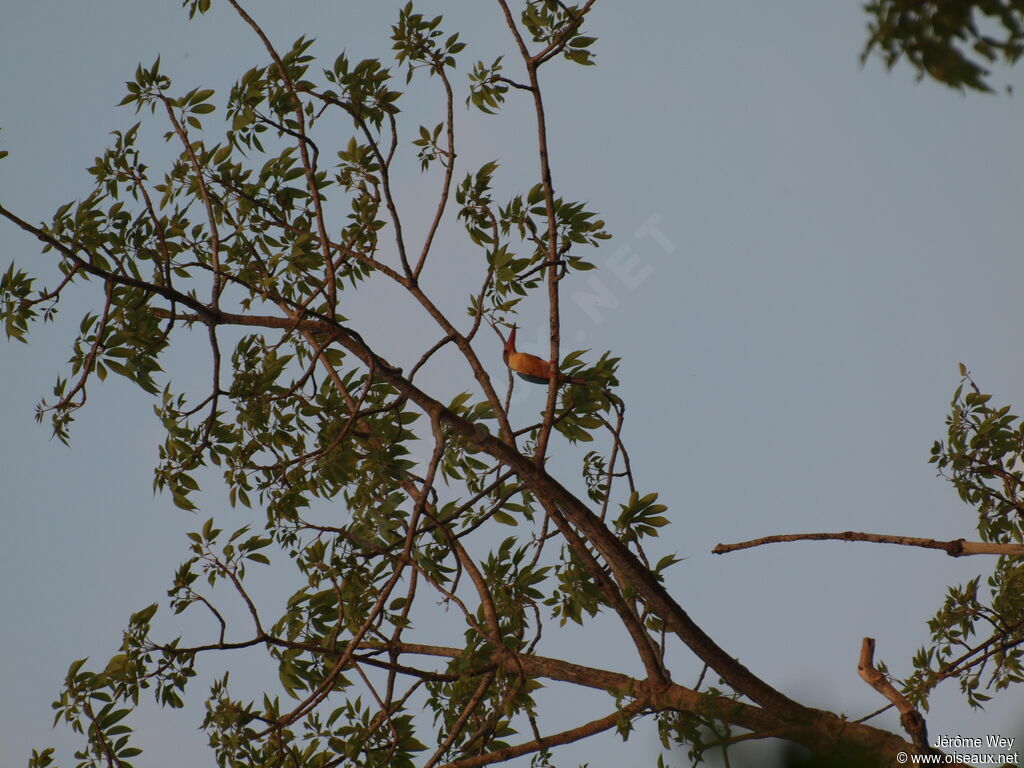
{"x": 531, "y": 368}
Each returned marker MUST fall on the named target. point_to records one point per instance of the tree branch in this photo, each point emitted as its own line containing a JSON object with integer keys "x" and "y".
{"x": 954, "y": 548}
{"x": 911, "y": 720}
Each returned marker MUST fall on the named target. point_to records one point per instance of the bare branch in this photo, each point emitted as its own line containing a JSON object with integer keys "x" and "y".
{"x": 954, "y": 548}
{"x": 911, "y": 720}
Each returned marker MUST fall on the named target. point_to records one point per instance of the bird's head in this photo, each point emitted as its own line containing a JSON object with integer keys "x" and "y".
{"x": 510, "y": 343}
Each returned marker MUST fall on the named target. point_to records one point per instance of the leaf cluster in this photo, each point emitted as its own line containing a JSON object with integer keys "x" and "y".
{"x": 953, "y": 42}
{"x": 977, "y": 637}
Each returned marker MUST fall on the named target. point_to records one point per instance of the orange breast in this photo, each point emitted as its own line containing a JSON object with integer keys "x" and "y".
{"x": 529, "y": 365}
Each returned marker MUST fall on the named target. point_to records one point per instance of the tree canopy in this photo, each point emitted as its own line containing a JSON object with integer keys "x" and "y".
{"x": 391, "y": 502}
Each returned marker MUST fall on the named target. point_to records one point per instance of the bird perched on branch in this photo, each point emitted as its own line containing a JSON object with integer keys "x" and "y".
{"x": 532, "y": 368}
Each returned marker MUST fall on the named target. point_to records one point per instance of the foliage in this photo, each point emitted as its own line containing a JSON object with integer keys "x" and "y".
{"x": 255, "y": 235}
{"x": 976, "y": 638}
{"x": 950, "y": 41}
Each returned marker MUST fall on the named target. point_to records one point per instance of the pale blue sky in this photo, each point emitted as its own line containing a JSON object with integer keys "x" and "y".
{"x": 803, "y": 252}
